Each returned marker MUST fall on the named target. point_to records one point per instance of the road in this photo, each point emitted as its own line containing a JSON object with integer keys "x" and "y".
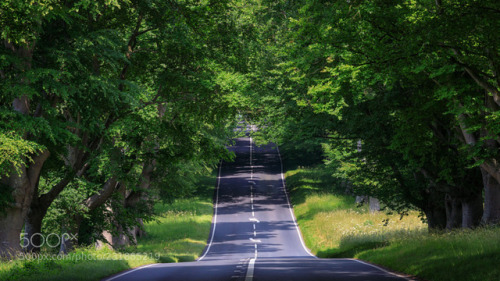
{"x": 254, "y": 235}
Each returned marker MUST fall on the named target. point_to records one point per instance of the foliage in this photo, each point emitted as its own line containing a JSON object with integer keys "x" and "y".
{"x": 334, "y": 226}
{"x": 170, "y": 239}
{"x": 401, "y": 95}
{"x": 125, "y": 94}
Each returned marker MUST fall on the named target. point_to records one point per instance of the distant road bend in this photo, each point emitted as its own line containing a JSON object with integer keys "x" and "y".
{"x": 254, "y": 235}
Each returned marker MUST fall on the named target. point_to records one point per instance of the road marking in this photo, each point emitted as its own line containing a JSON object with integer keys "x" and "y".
{"x": 255, "y": 241}
{"x": 125, "y": 273}
{"x": 251, "y": 167}
{"x": 254, "y": 219}
{"x": 254, "y": 233}
{"x": 290, "y": 207}
{"x": 381, "y": 269}
{"x": 254, "y": 226}
{"x": 214, "y": 223}
{"x": 251, "y": 264}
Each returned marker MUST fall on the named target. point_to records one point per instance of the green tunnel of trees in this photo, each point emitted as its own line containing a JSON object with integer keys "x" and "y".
{"x": 107, "y": 106}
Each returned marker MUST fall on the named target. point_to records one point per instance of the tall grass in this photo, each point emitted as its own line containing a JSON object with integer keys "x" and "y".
{"x": 460, "y": 255}
{"x": 334, "y": 226}
{"x": 332, "y": 223}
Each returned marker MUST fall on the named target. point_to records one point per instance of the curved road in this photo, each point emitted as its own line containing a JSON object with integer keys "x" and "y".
{"x": 254, "y": 235}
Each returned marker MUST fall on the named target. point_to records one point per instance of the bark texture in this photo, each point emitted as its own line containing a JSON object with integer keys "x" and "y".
{"x": 491, "y": 213}
{"x": 12, "y": 221}
{"x": 453, "y": 212}
{"x": 472, "y": 211}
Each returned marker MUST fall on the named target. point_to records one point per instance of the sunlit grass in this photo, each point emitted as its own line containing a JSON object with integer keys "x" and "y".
{"x": 334, "y": 226}
{"x": 178, "y": 234}
{"x": 460, "y": 255}
{"x": 82, "y": 264}
{"x": 331, "y": 222}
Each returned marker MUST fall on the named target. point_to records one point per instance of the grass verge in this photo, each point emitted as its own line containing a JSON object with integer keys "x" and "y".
{"x": 472, "y": 255}
{"x": 178, "y": 234}
{"x": 181, "y": 230}
{"x": 334, "y": 226}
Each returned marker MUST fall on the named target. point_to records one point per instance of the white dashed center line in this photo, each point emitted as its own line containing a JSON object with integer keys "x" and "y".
{"x": 251, "y": 264}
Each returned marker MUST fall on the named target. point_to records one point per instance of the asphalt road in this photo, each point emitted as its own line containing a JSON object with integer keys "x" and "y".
{"x": 254, "y": 235}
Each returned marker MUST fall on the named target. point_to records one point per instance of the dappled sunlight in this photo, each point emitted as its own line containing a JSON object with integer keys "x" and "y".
{"x": 427, "y": 254}
{"x": 332, "y": 223}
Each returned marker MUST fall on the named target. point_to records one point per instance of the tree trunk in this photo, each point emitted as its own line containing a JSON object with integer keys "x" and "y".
{"x": 23, "y": 185}
{"x": 127, "y": 235}
{"x": 472, "y": 211}
{"x": 491, "y": 213}
{"x": 68, "y": 241}
{"x": 453, "y": 212}
{"x": 69, "y": 236}
{"x": 361, "y": 199}
{"x": 33, "y": 229}
{"x": 434, "y": 210}
{"x": 374, "y": 205}
{"x": 436, "y": 218}
{"x": 139, "y": 231}
{"x": 12, "y": 224}
{"x": 40, "y": 205}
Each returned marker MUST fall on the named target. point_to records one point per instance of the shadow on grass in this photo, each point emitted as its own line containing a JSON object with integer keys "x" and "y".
{"x": 182, "y": 227}
{"x": 470, "y": 257}
{"x": 350, "y": 251}
{"x": 48, "y": 269}
{"x": 351, "y": 246}
{"x": 304, "y": 182}
{"x": 341, "y": 201}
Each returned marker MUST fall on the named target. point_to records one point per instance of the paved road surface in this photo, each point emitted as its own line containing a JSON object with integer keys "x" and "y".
{"x": 254, "y": 235}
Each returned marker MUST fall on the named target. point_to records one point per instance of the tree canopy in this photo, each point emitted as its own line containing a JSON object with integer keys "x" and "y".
{"x": 108, "y": 105}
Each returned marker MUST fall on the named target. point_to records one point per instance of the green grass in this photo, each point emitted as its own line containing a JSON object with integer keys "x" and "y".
{"x": 334, "y": 226}
{"x": 178, "y": 234}
{"x": 461, "y": 255}
{"x": 82, "y": 264}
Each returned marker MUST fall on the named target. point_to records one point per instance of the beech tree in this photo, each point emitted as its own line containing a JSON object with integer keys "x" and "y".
{"x": 408, "y": 80}
{"x": 112, "y": 91}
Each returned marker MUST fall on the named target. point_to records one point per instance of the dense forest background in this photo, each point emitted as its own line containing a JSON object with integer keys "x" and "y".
{"x": 107, "y": 106}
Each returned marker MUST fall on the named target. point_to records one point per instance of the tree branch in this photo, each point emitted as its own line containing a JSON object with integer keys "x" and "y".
{"x": 476, "y": 77}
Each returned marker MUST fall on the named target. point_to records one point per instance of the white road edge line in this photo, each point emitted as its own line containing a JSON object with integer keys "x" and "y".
{"x": 290, "y": 207}
{"x": 214, "y": 223}
{"x": 381, "y": 269}
{"x": 249, "y": 275}
{"x": 130, "y": 271}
